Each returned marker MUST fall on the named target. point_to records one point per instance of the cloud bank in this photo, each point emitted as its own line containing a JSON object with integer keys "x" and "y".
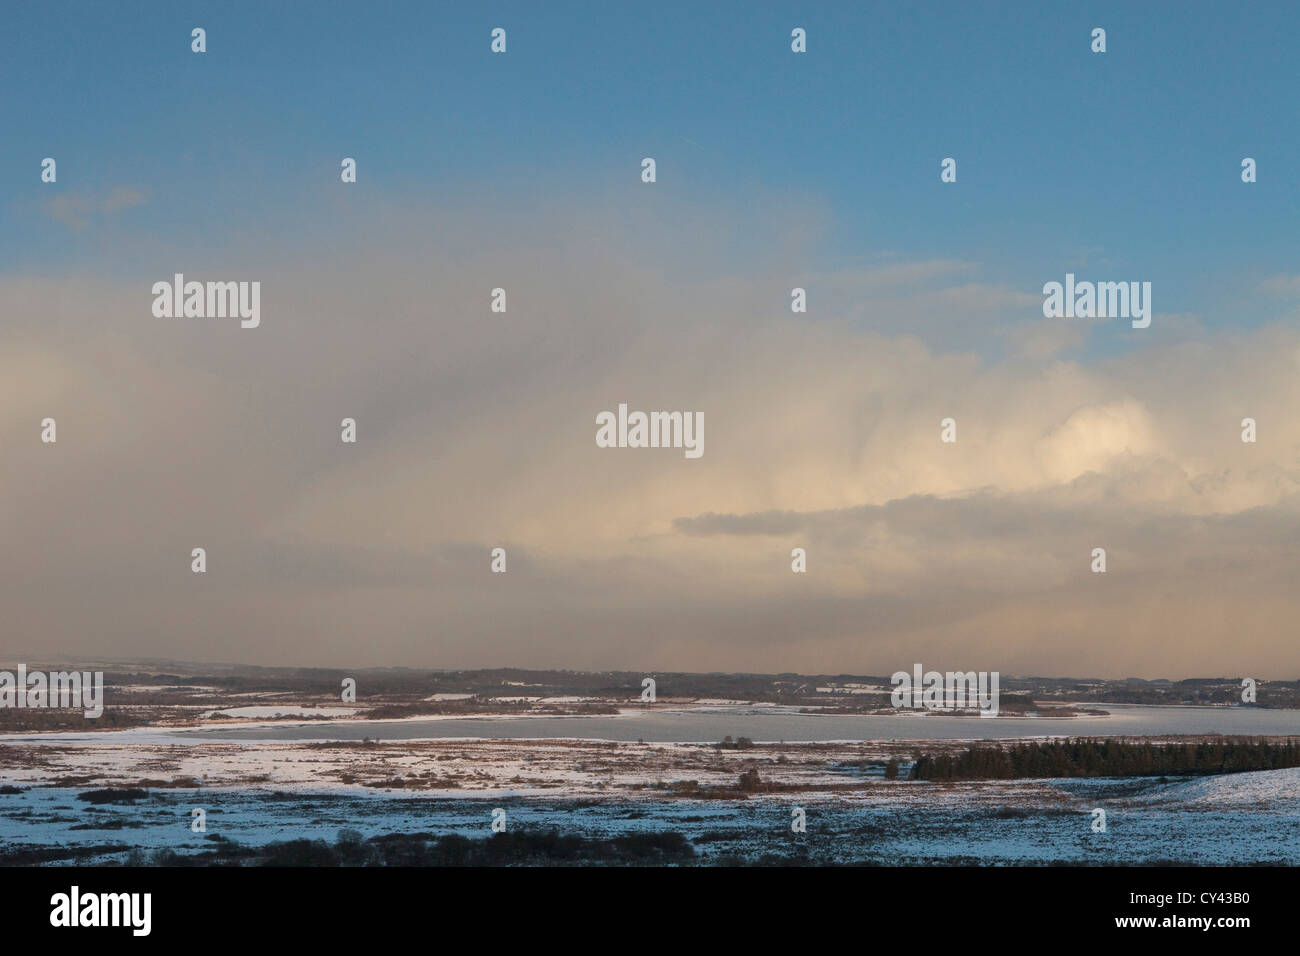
{"x": 476, "y": 430}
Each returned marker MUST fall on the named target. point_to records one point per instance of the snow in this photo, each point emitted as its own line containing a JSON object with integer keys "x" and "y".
{"x": 193, "y": 689}
{"x": 563, "y": 700}
{"x": 1264, "y": 789}
{"x": 908, "y": 823}
{"x": 278, "y": 710}
{"x": 258, "y": 791}
{"x": 720, "y": 701}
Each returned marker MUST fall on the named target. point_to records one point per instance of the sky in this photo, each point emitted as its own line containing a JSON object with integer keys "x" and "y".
{"x": 476, "y": 429}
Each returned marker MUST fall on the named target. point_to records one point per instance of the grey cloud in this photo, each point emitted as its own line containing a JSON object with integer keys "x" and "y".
{"x": 476, "y": 430}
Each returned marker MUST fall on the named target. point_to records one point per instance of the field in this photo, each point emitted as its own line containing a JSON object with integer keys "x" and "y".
{"x": 582, "y": 800}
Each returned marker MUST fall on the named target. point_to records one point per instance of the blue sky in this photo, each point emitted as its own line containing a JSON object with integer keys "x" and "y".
{"x": 774, "y": 169}
{"x": 1130, "y": 158}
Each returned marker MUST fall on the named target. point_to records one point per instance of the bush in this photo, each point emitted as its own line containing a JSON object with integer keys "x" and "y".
{"x": 128, "y": 795}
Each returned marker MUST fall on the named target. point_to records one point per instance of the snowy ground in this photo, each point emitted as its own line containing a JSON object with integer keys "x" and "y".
{"x": 256, "y": 793}
{"x": 898, "y": 823}
{"x": 256, "y": 711}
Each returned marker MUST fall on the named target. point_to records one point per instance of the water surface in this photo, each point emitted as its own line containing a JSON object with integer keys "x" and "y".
{"x": 709, "y": 725}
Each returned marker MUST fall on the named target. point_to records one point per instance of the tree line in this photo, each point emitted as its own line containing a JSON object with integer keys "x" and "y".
{"x": 1106, "y": 758}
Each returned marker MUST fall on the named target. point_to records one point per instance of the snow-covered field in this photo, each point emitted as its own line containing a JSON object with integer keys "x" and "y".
{"x": 261, "y": 792}
{"x": 894, "y": 823}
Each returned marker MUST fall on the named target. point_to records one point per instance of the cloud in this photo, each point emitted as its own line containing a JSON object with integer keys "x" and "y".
{"x": 476, "y": 430}
{"x": 1281, "y": 285}
{"x": 122, "y": 197}
{"x": 78, "y": 210}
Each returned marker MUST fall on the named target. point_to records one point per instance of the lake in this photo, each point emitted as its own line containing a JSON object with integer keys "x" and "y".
{"x": 711, "y": 724}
